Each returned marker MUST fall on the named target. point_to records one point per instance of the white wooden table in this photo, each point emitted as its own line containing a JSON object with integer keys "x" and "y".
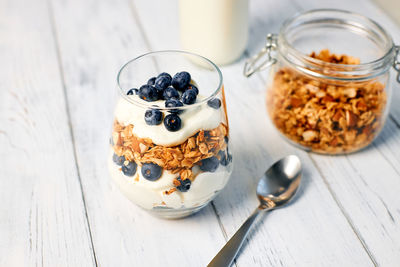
{"x": 58, "y": 207}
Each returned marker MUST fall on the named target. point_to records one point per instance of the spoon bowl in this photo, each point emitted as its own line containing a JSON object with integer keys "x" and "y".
{"x": 276, "y": 187}
{"x": 280, "y": 182}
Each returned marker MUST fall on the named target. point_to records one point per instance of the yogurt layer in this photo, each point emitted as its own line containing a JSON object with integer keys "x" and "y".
{"x": 149, "y": 194}
{"x": 202, "y": 117}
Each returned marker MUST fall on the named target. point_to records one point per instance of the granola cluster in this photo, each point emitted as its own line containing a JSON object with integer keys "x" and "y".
{"x": 177, "y": 159}
{"x": 329, "y": 57}
{"x": 326, "y": 117}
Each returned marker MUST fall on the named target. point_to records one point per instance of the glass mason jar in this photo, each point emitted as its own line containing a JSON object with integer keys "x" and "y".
{"x": 329, "y": 83}
{"x": 169, "y": 150}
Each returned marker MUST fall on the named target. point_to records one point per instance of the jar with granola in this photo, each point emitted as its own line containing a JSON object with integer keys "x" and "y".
{"x": 169, "y": 149}
{"x": 329, "y": 83}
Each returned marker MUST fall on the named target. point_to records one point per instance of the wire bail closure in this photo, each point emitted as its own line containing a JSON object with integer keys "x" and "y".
{"x": 253, "y": 64}
{"x": 396, "y": 63}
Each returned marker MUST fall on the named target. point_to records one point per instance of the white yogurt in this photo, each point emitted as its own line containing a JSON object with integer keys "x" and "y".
{"x": 149, "y": 194}
{"x": 194, "y": 119}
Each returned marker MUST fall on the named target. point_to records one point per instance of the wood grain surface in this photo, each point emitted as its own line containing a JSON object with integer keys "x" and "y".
{"x": 58, "y": 206}
{"x": 43, "y": 216}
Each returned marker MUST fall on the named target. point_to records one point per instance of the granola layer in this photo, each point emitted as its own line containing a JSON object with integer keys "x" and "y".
{"x": 325, "y": 117}
{"x": 177, "y": 159}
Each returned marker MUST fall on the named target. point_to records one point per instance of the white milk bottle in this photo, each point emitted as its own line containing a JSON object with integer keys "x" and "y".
{"x": 215, "y": 29}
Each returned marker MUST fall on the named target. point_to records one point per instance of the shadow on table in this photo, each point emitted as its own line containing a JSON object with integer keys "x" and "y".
{"x": 388, "y": 135}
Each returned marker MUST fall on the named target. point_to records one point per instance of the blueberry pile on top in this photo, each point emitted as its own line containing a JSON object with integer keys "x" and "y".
{"x": 177, "y": 91}
{"x": 165, "y": 87}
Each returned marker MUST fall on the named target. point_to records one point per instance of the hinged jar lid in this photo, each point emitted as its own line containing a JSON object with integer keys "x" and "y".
{"x": 339, "y": 31}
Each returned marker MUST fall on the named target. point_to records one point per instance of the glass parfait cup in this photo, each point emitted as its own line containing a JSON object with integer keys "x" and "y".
{"x": 170, "y": 159}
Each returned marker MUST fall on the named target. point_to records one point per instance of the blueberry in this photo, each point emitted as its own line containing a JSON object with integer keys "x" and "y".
{"x": 209, "y": 164}
{"x": 129, "y": 169}
{"x": 148, "y": 93}
{"x": 189, "y": 97}
{"x": 181, "y": 80}
{"x": 185, "y": 184}
{"x": 193, "y": 87}
{"x": 171, "y": 103}
{"x": 214, "y": 103}
{"x": 165, "y": 74}
{"x": 153, "y": 117}
{"x": 151, "y": 171}
{"x": 162, "y": 82}
{"x": 118, "y": 160}
{"x": 170, "y": 92}
{"x": 160, "y": 94}
{"x": 132, "y": 91}
{"x": 151, "y": 81}
{"x": 172, "y": 122}
{"x": 225, "y": 157}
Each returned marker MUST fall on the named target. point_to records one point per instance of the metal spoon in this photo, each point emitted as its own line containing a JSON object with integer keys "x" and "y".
{"x": 277, "y": 186}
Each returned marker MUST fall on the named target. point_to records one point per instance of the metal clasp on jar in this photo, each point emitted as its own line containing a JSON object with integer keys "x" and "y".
{"x": 396, "y": 63}
{"x": 263, "y": 59}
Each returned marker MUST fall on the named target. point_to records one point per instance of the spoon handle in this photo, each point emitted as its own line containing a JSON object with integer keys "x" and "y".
{"x": 228, "y": 253}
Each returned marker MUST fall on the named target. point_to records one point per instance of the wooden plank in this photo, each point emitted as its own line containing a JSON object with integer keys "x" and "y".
{"x": 94, "y": 44}
{"x": 42, "y": 213}
{"x": 390, "y": 7}
{"x": 388, "y": 144}
{"x": 314, "y": 222}
{"x": 365, "y": 184}
{"x": 368, "y": 194}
